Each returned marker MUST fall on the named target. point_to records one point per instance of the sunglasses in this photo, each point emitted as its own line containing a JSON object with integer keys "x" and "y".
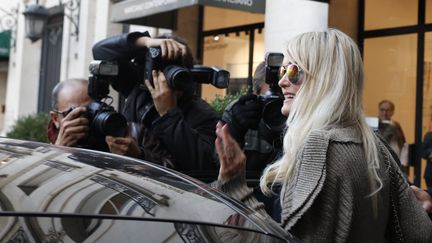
{"x": 291, "y": 71}
{"x": 66, "y": 112}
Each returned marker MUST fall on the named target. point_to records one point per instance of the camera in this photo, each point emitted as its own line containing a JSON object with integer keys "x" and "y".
{"x": 128, "y": 76}
{"x": 104, "y": 120}
{"x": 272, "y": 102}
{"x": 213, "y": 75}
{"x": 181, "y": 73}
{"x": 273, "y": 62}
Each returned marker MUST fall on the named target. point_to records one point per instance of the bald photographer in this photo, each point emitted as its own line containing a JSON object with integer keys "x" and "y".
{"x": 168, "y": 123}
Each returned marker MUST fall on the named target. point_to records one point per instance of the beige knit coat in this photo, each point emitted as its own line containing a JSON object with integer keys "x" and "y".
{"x": 327, "y": 199}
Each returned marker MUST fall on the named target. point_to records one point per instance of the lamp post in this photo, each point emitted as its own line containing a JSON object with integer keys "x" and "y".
{"x": 36, "y": 17}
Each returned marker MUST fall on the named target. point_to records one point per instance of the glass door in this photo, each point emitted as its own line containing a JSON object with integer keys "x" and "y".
{"x": 396, "y": 41}
{"x": 427, "y": 98}
{"x": 390, "y": 74}
{"x": 231, "y": 53}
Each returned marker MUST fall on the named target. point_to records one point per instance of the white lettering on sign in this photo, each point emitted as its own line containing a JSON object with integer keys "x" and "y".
{"x": 239, "y": 2}
{"x": 147, "y": 5}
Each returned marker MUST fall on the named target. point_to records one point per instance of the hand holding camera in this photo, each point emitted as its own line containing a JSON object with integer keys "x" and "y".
{"x": 73, "y": 128}
{"x": 164, "y": 98}
{"x": 170, "y": 49}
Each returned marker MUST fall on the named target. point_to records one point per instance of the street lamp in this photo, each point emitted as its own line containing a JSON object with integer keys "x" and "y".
{"x": 36, "y": 17}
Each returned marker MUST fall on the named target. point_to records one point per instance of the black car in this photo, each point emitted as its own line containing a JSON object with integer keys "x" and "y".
{"x": 60, "y": 194}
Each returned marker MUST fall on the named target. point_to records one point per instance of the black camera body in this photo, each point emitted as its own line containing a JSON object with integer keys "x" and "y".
{"x": 128, "y": 77}
{"x": 273, "y": 62}
{"x": 271, "y": 115}
{"x": 104, "y": 120}
{"x": 177, "y": 76}
{"x": 272, "y": 102}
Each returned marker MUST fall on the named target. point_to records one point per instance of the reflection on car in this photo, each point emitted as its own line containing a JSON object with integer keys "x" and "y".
{"x": 60, "y": 194}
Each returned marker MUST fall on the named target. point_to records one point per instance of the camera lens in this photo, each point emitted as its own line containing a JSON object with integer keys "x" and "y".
{"x": 110, "y": 123}
{"x": 178, "y": 78}
{"x": 272, "y": 115}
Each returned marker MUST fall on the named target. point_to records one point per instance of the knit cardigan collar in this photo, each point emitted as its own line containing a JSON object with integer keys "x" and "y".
{"x": 310, "y": 172}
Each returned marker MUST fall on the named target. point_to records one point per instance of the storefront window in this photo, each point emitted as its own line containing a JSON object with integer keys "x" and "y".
{"x": 427, "y": 84}
{"x": 390, "y": 73}
{"x": 429, "y": 11}
{"x": 218, "y": 18}
{"x": 427, "y": 94}
{"x": 258, "y": 55}
{"x": 230, "y": 52}
{"x": 380, "y": 14}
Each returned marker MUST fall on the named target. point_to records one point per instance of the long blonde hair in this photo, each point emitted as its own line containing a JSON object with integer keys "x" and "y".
{"x": 331, "y": 94}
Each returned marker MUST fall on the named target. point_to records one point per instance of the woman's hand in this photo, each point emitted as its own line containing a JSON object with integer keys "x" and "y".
{"x": 424, "y": 198}
{"x": 231, "y": 156}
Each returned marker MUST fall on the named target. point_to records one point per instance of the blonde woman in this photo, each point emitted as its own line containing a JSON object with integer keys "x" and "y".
{"x": 337, "y": 178}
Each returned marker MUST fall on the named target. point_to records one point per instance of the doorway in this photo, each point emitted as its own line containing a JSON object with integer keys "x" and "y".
{"x": 51, "y": 60}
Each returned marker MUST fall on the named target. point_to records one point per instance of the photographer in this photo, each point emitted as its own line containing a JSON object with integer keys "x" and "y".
{"x": 244, "y": 116}
{"x": 67, "y": 126}
{"x": 260, "y": 144}
{"x": 176, "y": 128}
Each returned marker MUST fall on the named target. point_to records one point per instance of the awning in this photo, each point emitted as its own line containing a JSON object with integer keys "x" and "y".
{"x": 5, "y": 37}
{"x": 161, "y": 13}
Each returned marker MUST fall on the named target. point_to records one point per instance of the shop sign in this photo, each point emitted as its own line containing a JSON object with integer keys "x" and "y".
{"x": 257, "y": 6}
{"x": 5, "y": 38}
{"x": 134, "y": 9}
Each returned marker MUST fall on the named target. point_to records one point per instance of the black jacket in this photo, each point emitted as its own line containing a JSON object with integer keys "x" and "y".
{"x": 184, "y": 137}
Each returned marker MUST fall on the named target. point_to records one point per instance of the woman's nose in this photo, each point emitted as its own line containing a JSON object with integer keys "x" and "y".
{"x": 283, "y": 82}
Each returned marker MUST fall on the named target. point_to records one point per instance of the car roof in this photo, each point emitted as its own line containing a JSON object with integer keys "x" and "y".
{"x": 41, "y": 179}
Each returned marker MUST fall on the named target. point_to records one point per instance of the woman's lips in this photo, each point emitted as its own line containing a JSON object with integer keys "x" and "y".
{"x": 289, "y": 96}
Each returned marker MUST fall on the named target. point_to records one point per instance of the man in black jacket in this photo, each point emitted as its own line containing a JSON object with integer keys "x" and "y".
{"x": 176, "y": 128}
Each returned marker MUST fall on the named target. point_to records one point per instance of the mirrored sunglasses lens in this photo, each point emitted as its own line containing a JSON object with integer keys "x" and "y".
{"x": 282, "y": 72}
{"x": 293, "y": 73}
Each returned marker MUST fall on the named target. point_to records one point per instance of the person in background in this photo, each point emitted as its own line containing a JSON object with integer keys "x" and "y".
{"x": 392, "y": 133}
{"x": 243, "y": 116}
{"x": 334, "y": 171}
{"x": 427, "y": 155}
{"x": 390, "y": 129}
{"x": 67, "y": 126}
{"x": 261, "y": 146}
{"x": 176, "y": 127}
